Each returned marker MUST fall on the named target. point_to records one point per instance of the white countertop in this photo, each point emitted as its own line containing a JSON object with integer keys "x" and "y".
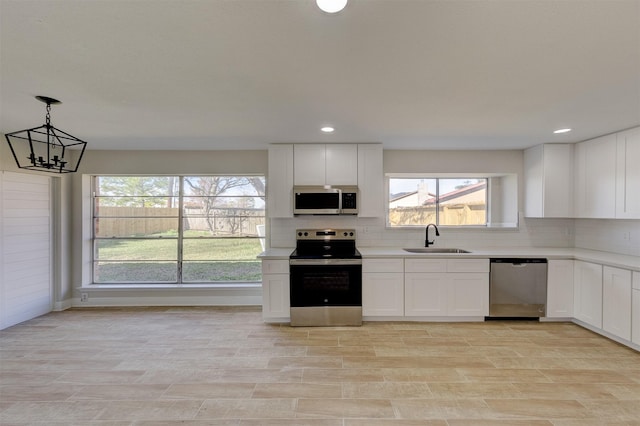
{"x": 601, "y": 257}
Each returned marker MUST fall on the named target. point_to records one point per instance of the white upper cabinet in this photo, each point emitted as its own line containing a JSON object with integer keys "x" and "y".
{"x": 548, "y": 172}
{"x": 628, "y": 174}
{"x": 370, "y": 180}
{"x": 331, "y": 164}
{"x": 325, "y": 164}
{"x": 595, "y": 178}
{"x": 280, "y": 181}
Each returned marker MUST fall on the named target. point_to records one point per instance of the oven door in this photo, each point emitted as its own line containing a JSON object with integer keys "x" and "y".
{"x": 325, "y": 292}
{"x": 324, "y": 282}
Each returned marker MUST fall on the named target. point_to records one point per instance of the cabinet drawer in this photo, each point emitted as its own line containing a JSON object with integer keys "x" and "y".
{"x": 446, "y": 265}
{"x": 383, "y": 265}
{"x": 467, "y": 265}
{"x": 425, "y": 265}
{"x": 275, "y": 266}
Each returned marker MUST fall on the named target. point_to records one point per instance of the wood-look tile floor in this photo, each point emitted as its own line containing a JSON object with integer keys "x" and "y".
{"x": 224, "y": 366}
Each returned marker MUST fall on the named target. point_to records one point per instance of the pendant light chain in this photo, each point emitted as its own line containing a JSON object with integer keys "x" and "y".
{"x": 48, "y": 117}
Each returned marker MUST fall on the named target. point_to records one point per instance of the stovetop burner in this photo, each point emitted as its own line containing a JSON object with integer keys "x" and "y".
{"x": 325, "y": 244}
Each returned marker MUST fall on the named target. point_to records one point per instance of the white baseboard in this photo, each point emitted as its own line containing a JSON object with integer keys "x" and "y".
{"x": 63, "y": 305}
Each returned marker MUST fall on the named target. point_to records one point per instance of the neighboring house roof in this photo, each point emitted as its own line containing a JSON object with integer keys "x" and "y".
{"x": 400, "y": 195}
{"x": 458, "y": 193}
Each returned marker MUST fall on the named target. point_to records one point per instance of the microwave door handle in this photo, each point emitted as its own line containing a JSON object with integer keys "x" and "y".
{"x": 339, "y": 200}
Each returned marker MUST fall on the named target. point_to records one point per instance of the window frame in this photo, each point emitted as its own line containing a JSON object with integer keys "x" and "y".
{"x": 438, "y": 176}
{"x": 179, "y": 238}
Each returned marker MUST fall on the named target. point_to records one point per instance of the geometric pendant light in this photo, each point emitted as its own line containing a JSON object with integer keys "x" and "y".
{"x": 46, "y": 148}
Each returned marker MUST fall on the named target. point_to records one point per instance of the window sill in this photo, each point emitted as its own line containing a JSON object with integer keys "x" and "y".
{"x": 161, "y": 286}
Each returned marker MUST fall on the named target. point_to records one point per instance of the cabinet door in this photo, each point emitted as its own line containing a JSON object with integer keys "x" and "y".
{"x": 280, "y": 181}
{"x": 628, "y": 174}
{"x": 309, "y": 164}
{"x": 635, "y": 316}
{"x": 468, "y": 294}
{"x": 383, "y": 294}
{"x": 616, "y": 296}
{"x": 275, "y": 296}
{"x": 341, "y": 164}
{"x": 425, "y": 294}
{"x": 549, "y": 181}
{"x": 560, "y": 289}
{"x": 558, "y": 180}
{"x": 587, "y": 300}
{"x": 370, "y": 180}
{"x": 596, "y": 177}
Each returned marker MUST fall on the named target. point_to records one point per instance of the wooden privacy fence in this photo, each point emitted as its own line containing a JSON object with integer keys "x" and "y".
{"x": 130, "y": 221}
{"x": 450, "y": 214}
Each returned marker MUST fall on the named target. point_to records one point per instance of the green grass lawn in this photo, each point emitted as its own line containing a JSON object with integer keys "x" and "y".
{"x": 155, "y": 259}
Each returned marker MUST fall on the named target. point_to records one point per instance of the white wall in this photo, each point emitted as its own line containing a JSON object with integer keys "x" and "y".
{"x": 25, "y": 247}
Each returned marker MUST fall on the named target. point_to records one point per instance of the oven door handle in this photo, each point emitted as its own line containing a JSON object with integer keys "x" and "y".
{"x": 316, "y": 262}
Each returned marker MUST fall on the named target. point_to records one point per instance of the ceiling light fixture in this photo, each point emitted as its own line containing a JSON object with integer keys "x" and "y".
{"x": 46, "y": 148}
{"x": 327, "y": 129}
{"x": 331, "y": 6}
{"x": 559, "y": 131}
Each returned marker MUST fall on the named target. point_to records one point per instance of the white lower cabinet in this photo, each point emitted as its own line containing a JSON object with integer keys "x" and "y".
{"x": 560, "y": 289}
{"x": 635, "y": 311}
{"x": 616, "y": 301}
{"x": 468, "y": 294}
{"x": 455, "y": 288}
{"x": 425, "y": 294}
{"x": 383, "y": 287}
{"x": 587, "y": 297}
{"x": 275, "y": 290}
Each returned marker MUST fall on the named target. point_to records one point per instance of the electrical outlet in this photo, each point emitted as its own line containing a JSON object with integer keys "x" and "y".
{"x": 84, "y": 297}
{"x": 626, "y": 236}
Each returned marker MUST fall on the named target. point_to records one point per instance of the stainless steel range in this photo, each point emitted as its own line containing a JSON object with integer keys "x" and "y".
{"x": 325, "y": 278}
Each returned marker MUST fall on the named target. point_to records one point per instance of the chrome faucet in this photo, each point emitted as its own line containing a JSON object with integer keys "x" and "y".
{"x": 426, "y": 235}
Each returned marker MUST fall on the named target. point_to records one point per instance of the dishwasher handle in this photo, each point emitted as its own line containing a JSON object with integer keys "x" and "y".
{"x": 516, "y": 261}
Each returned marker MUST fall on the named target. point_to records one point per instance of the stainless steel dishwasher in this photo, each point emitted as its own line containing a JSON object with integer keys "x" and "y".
{"x": 517, "y": 288}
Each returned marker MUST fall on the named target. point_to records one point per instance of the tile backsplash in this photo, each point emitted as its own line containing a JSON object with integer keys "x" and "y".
{"x": 618, "y": 236}
{"x": 612, "y": 235}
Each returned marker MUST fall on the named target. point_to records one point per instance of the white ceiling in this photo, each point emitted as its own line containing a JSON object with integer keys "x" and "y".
{"x": 240, "y": 74}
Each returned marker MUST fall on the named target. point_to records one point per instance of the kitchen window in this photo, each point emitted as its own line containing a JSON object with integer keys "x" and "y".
{"x": 418, "y": 201}
{"x": 177, "y": 229}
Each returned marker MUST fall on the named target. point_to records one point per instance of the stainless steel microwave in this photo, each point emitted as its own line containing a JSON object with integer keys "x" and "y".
{"x": 321, "y": 200}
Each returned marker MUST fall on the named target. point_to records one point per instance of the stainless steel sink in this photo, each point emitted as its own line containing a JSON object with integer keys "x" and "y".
{"x": 435, "y": 250}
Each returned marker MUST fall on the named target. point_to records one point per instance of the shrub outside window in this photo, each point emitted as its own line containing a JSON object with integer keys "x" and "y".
{"x": 415, "y": 201}
{"x": 177, "y": 229}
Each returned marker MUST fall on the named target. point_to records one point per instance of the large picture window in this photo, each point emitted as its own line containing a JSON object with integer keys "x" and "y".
{"x": 177, "y": 229}
{"x": 415, "y": 201}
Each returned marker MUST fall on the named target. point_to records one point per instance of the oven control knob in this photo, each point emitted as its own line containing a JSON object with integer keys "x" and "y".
{"x": 306, "y": 234}
{"x": 351, "y": 234}
{"x": 299, "y": 234}
{"x": 344, "y": 233}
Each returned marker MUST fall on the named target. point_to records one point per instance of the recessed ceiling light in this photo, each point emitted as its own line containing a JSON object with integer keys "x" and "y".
{"x": 327, "y": 129}
{"x": 331, "y": 6}
{"x": 561, "y": 131}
